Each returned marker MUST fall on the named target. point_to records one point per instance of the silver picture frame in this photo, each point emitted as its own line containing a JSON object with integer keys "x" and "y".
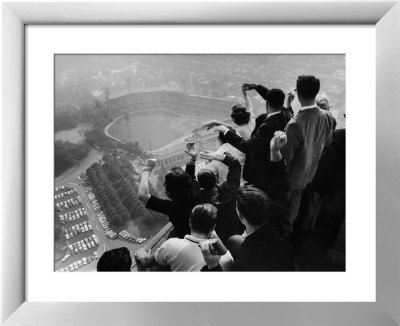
{"x": 15, "y": 310}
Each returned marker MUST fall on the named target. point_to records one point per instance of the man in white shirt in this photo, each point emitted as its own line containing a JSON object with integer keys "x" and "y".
{"x": 184, "y": 255}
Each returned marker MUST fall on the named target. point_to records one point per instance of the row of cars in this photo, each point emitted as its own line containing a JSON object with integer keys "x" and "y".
{"x": 80, "y": 263}
{"x": 66, "y": 204}
{"x": 78, "y": 229}
{"x": 104, "y": 223}
{"x": 72, "y": 216}
{"x": 83, "y": 245}
{"x": 65, "y": 193}
{"x": 125, "y": 235}
{"x": 100, "y": 214}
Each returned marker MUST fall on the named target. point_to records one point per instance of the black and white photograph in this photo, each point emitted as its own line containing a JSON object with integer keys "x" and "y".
{"x": 201, "y": 136}
{"x": 208, "y": 162}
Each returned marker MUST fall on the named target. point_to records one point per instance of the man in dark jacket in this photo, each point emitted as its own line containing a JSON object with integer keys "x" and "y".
{"x": 257, "y": 148}
{"x": 266, "y": 246}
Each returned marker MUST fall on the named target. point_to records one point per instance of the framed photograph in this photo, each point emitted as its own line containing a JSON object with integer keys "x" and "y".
{"x": 50, "y": 48}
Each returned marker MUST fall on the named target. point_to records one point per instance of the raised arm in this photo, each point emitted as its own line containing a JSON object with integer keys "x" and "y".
{"x": 260, "y": 139}
{"x": 277, "y": 142}
{"x": 249, "y": 106}
{"x": 260, "y": 89}
{"x": 214, "y": 123}
{"x": 290, "y": 98}
{"x": 246, "y": 97}
{"x": 191, "y": 165}
{"x": 234, "y": 172}
{"x": 232, "y": 182}
{"x": 144, "y": 192}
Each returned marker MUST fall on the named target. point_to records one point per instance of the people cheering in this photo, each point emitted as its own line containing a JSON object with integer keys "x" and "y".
{"x": 240, "y": 210}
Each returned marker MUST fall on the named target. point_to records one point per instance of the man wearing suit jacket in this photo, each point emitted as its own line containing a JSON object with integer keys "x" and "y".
{"x": 256, "y": 148}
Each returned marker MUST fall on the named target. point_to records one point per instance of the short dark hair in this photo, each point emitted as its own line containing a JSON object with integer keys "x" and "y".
{"x": 178, "y": 184}
{"x": 240, "y": 115}
{"x": 115, "y": 260}
{"x": 206, "y": 179}
{"x": 253, "y": 204}
{"x": 275, "y": 98}
{"x": 203, "y": 218}
{"x": 307, "y": 86}
{"x": 222, "y": 137}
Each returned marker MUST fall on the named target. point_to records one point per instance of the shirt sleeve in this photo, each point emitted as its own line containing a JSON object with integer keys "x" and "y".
{"x": 260, "y": 89}
{"x": 232, "y": 183}
{"x": 162, "y": 254}
{"x": 293, "y": 142}
{"x": 257, "y": 141}
{"x": 190, "y": 170}
{"x": 226, "y": 261}
{"x": 159, "y": 205}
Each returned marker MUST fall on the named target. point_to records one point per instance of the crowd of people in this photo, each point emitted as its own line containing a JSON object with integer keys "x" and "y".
{"x": 265, "y": 182}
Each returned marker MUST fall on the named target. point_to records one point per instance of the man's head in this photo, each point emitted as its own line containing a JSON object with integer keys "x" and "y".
{"x": 240, "y": 115}
{"x": 253, "y": 205}
{"x": 275, "y": 98}
{"x": 307, "y": 88}
{"x": 115, "y": 260}
{"x": 203, "y": 218}
{"x": 178, "y": 185}
{"x": 323, "y": 102}
{"x": 206, "y": 179}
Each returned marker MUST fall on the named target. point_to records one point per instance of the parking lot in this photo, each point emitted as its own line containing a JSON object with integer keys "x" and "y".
{"x": 78, "y": 231}
{"x": 87, "y": 211}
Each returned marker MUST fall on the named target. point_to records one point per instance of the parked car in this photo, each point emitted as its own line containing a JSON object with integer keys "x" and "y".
{"x": 65, "y": 258}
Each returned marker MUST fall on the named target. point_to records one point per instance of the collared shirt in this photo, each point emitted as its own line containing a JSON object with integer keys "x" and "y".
{"x": 274, "y": 113}
{"x": 181, "y": 255}
{"x": 308, "y": 107}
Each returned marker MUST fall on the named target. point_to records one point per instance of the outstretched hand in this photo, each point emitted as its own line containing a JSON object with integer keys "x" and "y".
{"x": 221, "y": 128}
{"x": 249, "y": 86}
{"x": 290, "y": 98}
{"x": 212, "y": 124}
{"x": 278, "y": 141}
{"x": 208, "y": 155}
{"x": 141, "y": 253}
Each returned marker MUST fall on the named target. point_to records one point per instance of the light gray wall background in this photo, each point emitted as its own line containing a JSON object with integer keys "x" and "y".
{"x": 388, "y": 159}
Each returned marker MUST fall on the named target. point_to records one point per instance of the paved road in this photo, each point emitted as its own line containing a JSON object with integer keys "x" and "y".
{"x": 71, "y": 174}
